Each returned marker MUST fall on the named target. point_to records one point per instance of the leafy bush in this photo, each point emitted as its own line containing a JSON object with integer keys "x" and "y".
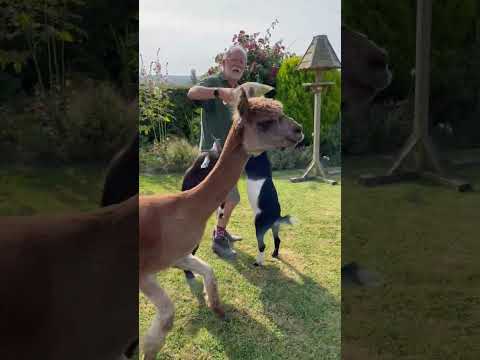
{"x": 90, "y": 124}
{"x": 97, "y": 123}
{"x": 290, "y": 158}
{"x": 167, "y": 111}
{"x": 186, "y": 115}
{"x": 171, "y": 156}
{"x": 298, "y": 102}
{"x": 155, "y": 112}
{"x": 331, "y": 143}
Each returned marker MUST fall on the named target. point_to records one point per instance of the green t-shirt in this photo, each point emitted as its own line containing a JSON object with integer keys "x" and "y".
{"x": 216, "y": 117}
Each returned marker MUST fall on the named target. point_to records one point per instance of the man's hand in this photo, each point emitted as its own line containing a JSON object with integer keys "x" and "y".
{"x": 226, "y": 94}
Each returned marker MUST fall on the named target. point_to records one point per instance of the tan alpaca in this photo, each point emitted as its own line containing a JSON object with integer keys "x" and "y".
{"x": 66, "y": 284}
{"x": 172, "y": 225}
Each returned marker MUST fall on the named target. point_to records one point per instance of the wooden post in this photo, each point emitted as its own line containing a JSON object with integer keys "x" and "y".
{"x": 315, "y": 169}
{"x": 318, "y": 170}
{"x": 419, "y": 146}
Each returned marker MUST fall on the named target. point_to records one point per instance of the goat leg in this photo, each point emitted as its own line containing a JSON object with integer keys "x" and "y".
{"x": 276, "y": 239}
{"x": 261, "y": 248}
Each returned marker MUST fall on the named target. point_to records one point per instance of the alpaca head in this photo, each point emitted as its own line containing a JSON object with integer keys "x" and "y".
{"x": 264, "y": 126}
{"x": 365, "y": 69}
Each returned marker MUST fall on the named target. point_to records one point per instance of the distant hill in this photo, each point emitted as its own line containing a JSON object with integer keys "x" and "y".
{"x": 175, "y": 80}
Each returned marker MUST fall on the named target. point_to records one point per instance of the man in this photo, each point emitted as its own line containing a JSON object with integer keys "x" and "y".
{"x": 213, "y": 94}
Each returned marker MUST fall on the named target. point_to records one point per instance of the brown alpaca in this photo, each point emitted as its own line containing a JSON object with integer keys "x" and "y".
{"x": 172, "y": 225}
{"x": 68, "y": 284}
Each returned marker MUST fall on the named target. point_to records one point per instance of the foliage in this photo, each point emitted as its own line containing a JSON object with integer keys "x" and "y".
{"x": 263, "y": 58}
{"x": 94, "y": 123}
{"x": 169, "y": 109}
{"x": 155, "y": 112}
{"x": 98, "y": 122}
{"x": 45, "y": 27}
{"x": 331, "y": 143}
{"x": 290, "y": 158}
{"x": 298, "y": 102}
{"x": 45, "y": 42}
{"x": 300, "y": 158}
{"x": 172, "y": 155}
{"x": 187, "y": 116}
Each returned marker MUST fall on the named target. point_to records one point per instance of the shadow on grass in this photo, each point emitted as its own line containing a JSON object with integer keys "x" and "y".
{"x": 303, "y": 317}
{"x": 310, "y": 308}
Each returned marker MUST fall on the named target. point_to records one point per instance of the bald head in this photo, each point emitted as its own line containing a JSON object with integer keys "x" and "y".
{"x": 234, "y": 63}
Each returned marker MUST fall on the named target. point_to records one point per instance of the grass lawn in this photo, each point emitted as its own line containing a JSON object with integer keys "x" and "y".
{"x": 26, "y": 190}
{"x": 424, "y": 240}
{"x": 289, "y": 309}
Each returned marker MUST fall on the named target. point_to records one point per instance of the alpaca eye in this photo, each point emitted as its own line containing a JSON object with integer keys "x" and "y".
{"x": 265, "y": 125}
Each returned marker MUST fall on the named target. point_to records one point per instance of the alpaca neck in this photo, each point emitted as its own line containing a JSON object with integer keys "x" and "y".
{"x": 213, "y": 190}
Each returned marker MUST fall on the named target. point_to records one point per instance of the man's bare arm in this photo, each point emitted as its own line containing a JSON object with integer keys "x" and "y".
{"x": 198, "y": 92}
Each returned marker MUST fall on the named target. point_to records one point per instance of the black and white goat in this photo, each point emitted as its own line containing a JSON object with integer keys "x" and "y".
{"x": 261, "y": 194}
{"x": 264, "y": 202}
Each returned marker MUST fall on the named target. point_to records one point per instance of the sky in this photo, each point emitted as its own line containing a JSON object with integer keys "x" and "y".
{"x": 190, "y": 33}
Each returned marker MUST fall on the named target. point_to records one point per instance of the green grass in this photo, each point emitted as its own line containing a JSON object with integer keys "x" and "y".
{"x": 423, "y": 239}
{"x": 289, "y": 309}
{"x": 26, "y": 190}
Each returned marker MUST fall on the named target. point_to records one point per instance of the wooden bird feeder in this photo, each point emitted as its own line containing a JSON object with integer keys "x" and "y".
{"x": 419, "y": 147}
{"x": 319, "y": 57}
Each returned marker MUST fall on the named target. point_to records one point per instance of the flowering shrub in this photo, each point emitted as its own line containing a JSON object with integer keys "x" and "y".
{"x": 263, "y": 58}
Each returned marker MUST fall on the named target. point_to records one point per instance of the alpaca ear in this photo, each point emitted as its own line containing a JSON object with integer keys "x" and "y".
{"x": 243, "y": 103}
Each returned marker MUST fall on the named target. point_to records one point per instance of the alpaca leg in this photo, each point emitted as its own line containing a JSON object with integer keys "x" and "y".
{"x": 261, "y": 248}
{"x": 276, "y": 239}
{"x": 198, "y": 266}
{"x": 163, "y": 321}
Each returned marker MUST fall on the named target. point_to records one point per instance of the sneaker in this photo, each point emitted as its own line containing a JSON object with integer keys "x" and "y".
{"x": 232, "y": 238}
{"x": 221, "y": 247}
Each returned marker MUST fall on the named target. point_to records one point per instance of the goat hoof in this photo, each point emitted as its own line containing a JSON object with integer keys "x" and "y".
{"x": 189, "y": 275}
{"x": 275, "y": 254}
{"x": 219, "y": 312}
{"x": 256, "y": 264}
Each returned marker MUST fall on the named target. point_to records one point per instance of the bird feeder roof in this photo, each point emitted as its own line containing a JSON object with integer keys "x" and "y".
{"x": 319, "y": 55}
